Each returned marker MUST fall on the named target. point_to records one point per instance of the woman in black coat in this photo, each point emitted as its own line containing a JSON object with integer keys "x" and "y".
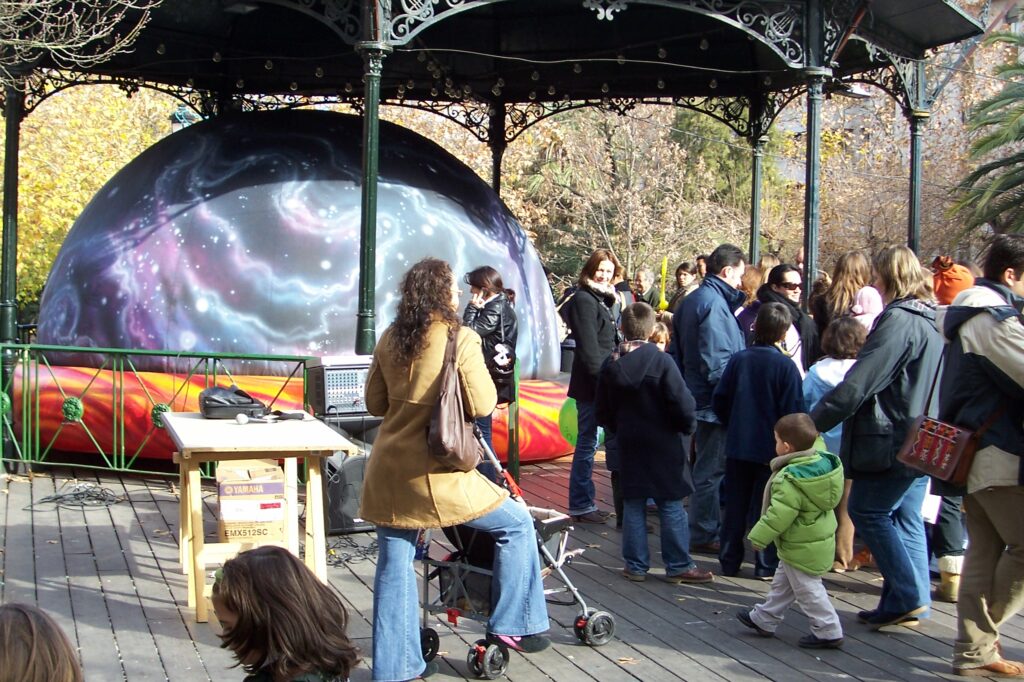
{"x": 591, "y": 318}
{"x": 490, "y": 314}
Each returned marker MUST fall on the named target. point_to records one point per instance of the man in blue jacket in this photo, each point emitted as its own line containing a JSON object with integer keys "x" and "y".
{"x": 983, "y": 384}
{"x": 705, "y": 336}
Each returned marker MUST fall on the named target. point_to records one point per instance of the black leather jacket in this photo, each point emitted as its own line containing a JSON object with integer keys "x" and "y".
{"x": 495, "y": 319}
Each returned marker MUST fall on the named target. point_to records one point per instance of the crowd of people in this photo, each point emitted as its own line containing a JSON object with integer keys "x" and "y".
{"x": 781, "y": 426}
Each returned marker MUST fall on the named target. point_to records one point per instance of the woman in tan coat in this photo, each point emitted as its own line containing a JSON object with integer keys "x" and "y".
{"x": 406, "y": 489}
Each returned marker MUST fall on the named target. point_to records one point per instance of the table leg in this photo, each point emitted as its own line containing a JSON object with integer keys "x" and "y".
{"x": 316, "y": 547}
{"x": 198, "y": 578}
{"x": 291, "y": 497}
{"x": 184, "y": 520}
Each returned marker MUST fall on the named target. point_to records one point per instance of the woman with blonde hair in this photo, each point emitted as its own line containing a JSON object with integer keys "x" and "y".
{"x": 851, "y": 274}
{"x": 878, "y": 400}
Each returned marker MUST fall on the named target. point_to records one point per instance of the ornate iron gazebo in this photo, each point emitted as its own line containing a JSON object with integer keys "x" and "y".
{"x": 499, "y": 66}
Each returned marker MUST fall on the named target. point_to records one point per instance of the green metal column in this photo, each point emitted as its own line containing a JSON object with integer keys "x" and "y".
{"x": 917, "y": 121}
{"x": 496, "y": 141}
{"x": 373, "y": 52}
{"x": 812, "y": 186}
{"x": 14, "y": 111}
{"x": 755, "y": 199}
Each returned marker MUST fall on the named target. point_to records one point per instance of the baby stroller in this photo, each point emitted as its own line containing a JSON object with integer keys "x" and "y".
{"x": 459, "y": 585}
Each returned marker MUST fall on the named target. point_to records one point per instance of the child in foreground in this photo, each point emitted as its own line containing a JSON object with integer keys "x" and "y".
{"x": 798, "y": 517}
{"x": 33, "y": 648}
{"x": 280, "y": 621}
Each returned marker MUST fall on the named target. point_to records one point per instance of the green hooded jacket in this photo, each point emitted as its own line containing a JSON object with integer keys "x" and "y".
{"x": 799, "y": 515}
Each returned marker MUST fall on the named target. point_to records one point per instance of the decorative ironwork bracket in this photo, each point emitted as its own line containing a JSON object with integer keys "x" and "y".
{"x": 777, "y": 23}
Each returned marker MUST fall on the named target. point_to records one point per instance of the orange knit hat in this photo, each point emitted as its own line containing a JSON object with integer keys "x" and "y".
{"x": 949, "y": 279}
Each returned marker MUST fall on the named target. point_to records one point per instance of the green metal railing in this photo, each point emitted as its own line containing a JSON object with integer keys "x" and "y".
{"x": 114, "y": 386}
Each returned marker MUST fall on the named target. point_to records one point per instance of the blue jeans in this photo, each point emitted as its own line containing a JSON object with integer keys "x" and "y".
{"x": 485, "y": 467}
{"x": 675, "y": 536}
{"x": 745, "y": 482}
{"x": 581, "y": 481}
{"x": 887, "y": 515}
{"x": 517, "y": 590}
{"x": 708, "y": 470}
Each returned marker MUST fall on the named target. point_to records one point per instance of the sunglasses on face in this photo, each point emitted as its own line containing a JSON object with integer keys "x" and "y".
{"x": 790, "y": 286}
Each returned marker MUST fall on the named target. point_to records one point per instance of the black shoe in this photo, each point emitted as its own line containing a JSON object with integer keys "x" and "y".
{"x": 707, "y": 547}
{"x": 864, "y": 616}
{"x": 527, "y": 644}
{"x": 743, "y": 616}
{"x": 812, "y": 642}
{"x": 881, "y": 619}
{"x": 591, "y": 517}
{"x": 431, "y": 669}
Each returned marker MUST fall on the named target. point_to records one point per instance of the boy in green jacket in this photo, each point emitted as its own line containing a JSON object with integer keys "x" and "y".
{"x": 798, "y": 516}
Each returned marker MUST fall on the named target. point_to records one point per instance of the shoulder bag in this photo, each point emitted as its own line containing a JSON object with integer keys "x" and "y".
{"x": 450, "y": 435}
{"x": 940, "y": 449}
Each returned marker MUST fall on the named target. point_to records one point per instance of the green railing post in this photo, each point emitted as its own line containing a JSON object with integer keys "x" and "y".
{"x": 513, "y": 426}
{"x": 373, "y": 52}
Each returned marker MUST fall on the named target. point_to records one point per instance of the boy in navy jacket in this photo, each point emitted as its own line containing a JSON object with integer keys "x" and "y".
{"x": 760, "y": 385}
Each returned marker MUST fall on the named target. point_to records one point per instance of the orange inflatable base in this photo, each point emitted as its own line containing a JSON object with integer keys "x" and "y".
{"x": 76, "y": 411}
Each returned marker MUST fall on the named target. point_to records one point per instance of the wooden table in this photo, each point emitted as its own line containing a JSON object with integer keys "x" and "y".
{"x": 200, "y": 440}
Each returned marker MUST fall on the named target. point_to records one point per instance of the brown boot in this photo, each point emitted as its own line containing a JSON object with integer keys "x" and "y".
{"x": 948, "y": 589}
{"x": 949, "y": 573}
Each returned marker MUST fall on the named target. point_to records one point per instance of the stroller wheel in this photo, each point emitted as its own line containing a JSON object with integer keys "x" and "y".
{"x": 430, "y": 643}
{"x": 487, "y": 660}
{"x": 594, "y": 628}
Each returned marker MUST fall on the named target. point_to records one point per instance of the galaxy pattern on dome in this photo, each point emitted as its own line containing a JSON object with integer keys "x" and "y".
{"x": 241, "y": 235}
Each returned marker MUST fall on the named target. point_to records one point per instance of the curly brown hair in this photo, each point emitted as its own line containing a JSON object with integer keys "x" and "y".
{"x": 288, "y": 620}
{"x": 426, "y": 297}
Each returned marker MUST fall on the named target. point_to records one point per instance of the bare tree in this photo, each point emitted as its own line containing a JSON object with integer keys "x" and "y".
{"x": 74, "y": 34}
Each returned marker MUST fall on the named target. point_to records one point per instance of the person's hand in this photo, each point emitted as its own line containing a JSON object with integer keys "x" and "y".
{"x": 757, "y": 548}
{"x": 477, "y": 300}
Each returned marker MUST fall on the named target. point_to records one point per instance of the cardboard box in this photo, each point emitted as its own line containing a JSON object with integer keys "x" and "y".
{"x": 252, "y": 502}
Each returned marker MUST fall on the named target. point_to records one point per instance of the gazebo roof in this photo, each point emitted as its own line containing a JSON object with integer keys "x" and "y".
{"x": 519, "y": 51}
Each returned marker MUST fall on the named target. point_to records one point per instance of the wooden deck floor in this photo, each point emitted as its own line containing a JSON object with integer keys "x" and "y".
{"x": 110, "y": 576}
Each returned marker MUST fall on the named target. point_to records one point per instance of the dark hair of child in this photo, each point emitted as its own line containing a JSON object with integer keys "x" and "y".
{"x": 288, "y": 622}
{"x": 660, "y": 333}
{"x": 798, "y": 430}
{"x": 638, "y": 322}
{"x": 772, "y": 323}
{"x": 843, "y": 338}
{"x": 33, "y": 648}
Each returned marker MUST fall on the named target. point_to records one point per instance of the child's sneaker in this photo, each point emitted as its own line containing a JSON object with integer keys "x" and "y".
{"x": 527, "y": 644}
{"x": 813, "y": 642}
{"x": 743, "y": 616}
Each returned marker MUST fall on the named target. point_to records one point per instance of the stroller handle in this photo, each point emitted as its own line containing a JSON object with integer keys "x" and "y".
{"x": 490, "y": 456}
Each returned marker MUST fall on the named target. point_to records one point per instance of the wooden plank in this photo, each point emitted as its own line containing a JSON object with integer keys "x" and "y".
{"x": 19, "y": 565}
{"x": 52, "y": 584}
{"x": 140, "y": 526}
{"x": 162, "y": 533}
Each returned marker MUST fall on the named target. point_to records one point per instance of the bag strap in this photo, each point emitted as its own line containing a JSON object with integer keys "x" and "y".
{"x": 935, "y": 379}
{"x": 449, "y": 349}
{"x": 501, "y": 321}
{"x": 931, "y": 391}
